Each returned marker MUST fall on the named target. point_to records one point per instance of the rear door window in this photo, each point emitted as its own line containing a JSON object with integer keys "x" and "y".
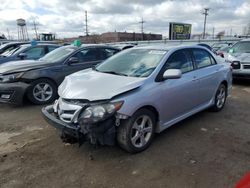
{"x": 87, "y": 55}
{"x": 202, "y": 58}
{"x": 35, "y": 53}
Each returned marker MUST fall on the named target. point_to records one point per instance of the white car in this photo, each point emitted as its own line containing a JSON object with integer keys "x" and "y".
{"x": 239, "y": 58}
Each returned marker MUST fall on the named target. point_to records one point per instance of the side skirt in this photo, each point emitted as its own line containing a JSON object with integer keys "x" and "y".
{"x": 162, "y": 127}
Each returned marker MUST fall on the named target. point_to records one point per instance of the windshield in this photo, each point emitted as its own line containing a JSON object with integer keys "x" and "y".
{"x": 132, "y": 62}
{"x": 58, "y": 54}
{"x": 225, "y": 49}
{"x": 12, "y": 51}
{"x": 241, "y": 47}
{"x": 7, "y": 48}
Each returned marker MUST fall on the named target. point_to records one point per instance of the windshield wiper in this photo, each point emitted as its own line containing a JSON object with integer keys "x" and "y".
{"x": 113, "y": 72}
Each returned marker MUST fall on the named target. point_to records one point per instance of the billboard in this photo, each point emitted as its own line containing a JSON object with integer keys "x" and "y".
{"x": 179, "y": 31}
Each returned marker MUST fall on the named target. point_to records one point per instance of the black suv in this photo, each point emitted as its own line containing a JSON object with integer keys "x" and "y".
{"x": 39, "y": 79}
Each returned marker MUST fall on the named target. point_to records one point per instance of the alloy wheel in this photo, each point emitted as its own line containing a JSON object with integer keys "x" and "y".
{"x": 42, "y": 92}
{"x": 221, "y": 97}
{"x": 141, "y": 131}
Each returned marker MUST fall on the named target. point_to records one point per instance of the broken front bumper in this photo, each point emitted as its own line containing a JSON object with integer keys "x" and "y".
{"x": 102, "y": 132}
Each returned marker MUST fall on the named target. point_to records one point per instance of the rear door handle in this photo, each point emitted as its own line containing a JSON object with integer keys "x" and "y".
{"x": 194, "y": 78}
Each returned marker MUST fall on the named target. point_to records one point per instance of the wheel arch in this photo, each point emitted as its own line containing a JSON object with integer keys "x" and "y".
{"x": 41, "y": 78}
{"x": 224, "y": 82}
{"x": 152, "y": 109}
{"x": 45, "y": 78}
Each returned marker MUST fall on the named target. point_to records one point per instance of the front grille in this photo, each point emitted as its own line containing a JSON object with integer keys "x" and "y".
{"x": 246, "y": 66}
{"x": 68, "y": 112}
{"x": 235, "y": 65}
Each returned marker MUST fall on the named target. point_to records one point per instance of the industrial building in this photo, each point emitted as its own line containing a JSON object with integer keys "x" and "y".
{"x": 124, "y": 36}
{"x": 110, "y": 37}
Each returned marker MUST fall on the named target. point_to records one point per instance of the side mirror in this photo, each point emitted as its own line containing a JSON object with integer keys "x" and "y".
{"x": 231, "y": 50}
{"x": 172, "y": 74}
{"x": 22, "y": 55}
{"x": 73, "y": 60}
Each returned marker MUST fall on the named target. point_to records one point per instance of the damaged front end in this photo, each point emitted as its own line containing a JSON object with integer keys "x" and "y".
{"x": 83, "y": 120}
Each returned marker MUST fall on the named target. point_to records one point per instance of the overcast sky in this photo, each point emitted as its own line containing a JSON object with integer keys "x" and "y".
{"x": 66, "y": 17}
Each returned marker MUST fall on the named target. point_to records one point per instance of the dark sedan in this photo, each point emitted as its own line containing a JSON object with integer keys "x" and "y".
{"x": 27, "y": 51}
{"x": 38, "y": 80}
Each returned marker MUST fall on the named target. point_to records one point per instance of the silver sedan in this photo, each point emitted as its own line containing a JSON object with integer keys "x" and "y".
{"x": 140, "y": 92}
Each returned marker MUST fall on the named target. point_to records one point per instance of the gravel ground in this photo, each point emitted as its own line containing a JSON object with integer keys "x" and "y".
{"x": 206, "y": 150}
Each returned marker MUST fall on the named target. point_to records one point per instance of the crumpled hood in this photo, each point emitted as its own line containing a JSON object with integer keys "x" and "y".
{"x": 242, "y": 57}
{"x": 20, "y": 66}
{"x": 92, "y": 85}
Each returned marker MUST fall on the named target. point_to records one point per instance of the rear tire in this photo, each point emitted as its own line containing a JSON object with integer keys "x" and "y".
{"x": 220, "y": 98}
{"x": 136, "y": 134}
{"x": 42, "y": 91}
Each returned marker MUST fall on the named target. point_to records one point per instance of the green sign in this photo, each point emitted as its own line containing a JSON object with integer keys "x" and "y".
{"x": 77, "y": 43}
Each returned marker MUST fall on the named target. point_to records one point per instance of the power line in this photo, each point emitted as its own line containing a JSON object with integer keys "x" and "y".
{"x": 205, "y": 21}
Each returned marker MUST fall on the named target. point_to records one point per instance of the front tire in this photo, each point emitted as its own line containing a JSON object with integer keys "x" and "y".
{"x": 220, "y": 98}
{"x": 42, "y": 91}
{"x": 136, "y": 134}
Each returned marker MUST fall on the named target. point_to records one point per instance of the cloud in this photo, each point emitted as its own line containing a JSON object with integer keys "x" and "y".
{"x": 66, "y": 17}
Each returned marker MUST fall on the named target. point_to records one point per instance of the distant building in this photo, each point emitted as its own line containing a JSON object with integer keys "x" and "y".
{"x": 110, "y": 37}
{"x": 93, "y": 39}
{"x": 124, "y": 36}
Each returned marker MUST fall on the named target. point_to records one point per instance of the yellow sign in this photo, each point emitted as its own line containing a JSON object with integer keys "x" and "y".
{"x": 179, "y": 31}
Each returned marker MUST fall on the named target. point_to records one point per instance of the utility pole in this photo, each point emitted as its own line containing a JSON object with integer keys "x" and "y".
{"x": 8, "y": 33}
{"x": 205, "y": 21}
{"x": 213, "y": 32}
{"x": 35, "y": 29}
{"x": 86, "y": 23}
{"x": 142, "y": 27}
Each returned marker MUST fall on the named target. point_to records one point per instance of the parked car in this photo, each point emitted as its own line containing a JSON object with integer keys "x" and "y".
{"x": 38, "y": 79}
{"x": 223, "y": 50}
{"x": 27, "y": 51}
{"x": 239, "y": 58}
{"x": 10, "y": 46}
{"x": 218, "y": 45}
{"x": 137, "y": 93}
{"x": 206, "y": 46}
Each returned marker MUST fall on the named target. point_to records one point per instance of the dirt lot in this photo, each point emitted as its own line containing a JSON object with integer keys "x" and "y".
{"x": 206, "y": 150}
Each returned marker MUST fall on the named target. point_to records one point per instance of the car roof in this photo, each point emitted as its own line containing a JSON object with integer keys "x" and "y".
{"x": 10, "y": 43}
{"x": 245, "y": 40}
{"x": 169, "y": 47}
{"x": 39, "y": 44}
{"x": 98, "y": 45}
